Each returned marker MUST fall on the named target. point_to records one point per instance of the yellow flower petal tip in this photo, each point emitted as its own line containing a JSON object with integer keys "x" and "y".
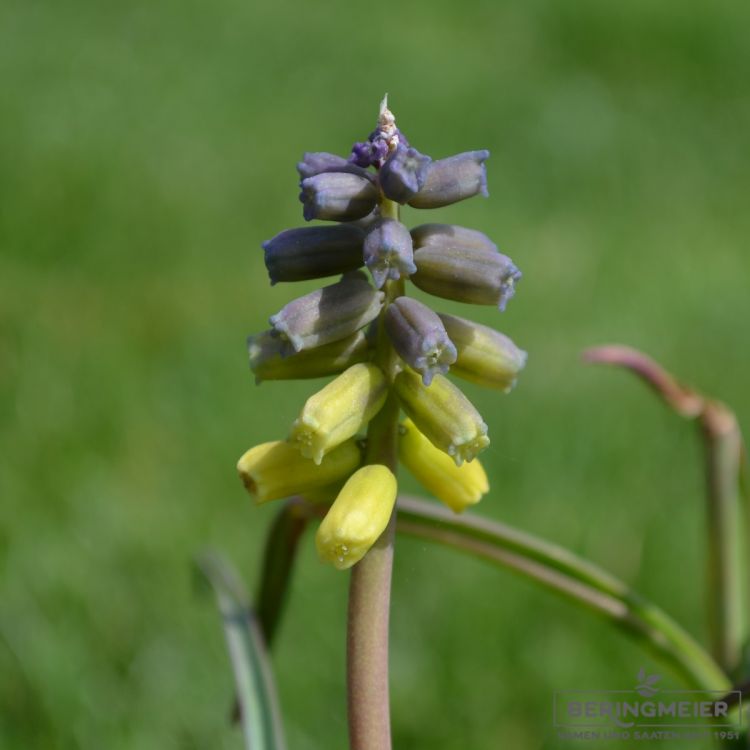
{"x": 358, "y": 516}
{"x": 338, "y": 411}
{"x": 458, "y": 487}
{"x": 276, "y": 469}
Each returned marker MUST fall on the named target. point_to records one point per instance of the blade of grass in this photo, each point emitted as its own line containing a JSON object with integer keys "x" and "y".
{"x": 279, "y": 555}
{"x": 282, "y": 543}
{"x": 256, "y": 691}
{"x": 569, "y": 575}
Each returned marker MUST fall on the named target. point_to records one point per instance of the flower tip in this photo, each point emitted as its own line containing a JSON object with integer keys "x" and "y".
{"x": 469, "y": 450}
{"x": 508, "y": 285}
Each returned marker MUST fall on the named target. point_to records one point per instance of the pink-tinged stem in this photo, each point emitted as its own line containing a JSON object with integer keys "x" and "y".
{"x": 370, "y": 583}
{"x": 725, "y": 458}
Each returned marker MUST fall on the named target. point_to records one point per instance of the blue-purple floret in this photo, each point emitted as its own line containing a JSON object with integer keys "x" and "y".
{"x": 318, "y": 162}
{"x": 403, "y": 173}
{"x": 313, "y": 252}
{"x": 453, "y": 179}
{"x": 374, "y": 151}
{"x": 388, "y": 251}
{"x": 337, "y": 196}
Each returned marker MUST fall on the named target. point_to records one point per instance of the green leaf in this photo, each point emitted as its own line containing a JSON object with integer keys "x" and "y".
{"x": 256, "y": 691}
{"x": 577, "y": 579}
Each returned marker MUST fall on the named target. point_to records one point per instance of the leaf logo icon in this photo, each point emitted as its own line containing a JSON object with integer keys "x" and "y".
{"x": 646, "y": 683}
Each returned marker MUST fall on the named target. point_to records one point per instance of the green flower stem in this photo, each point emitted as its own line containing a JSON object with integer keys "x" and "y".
{"x": 370, "y": 583}
{"x": 725, "y": 463}
{"x": 579, "y": 580}
{"x": 723, "y": 449}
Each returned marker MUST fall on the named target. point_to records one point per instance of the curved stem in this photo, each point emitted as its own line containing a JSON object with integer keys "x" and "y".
{"x": 725, "y": 467}
{"x": 370, "y": 583}
{"x": 562, "y": 571}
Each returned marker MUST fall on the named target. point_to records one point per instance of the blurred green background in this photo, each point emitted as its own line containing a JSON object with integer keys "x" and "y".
{"x": 146, "y": 149}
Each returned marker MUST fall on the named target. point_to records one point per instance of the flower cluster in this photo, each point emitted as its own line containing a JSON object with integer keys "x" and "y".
{"x": 379, "y": 343}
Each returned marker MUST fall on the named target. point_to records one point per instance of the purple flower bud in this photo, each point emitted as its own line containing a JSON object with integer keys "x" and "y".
{"x": 372, "y": 152}
{"x": 314, "y": 252}
{"x": 318, "y": 162}
{"x": 388, "y": 251}
{"x": 477, "y": 275}
{"x": 361, "y": 154}
{"x": 337, "y": 196}
{"x": 328, "y": 314}
{"x": 403, "y": 173}
{"x": 450, "y": 235}
{"x": 419, "y": 337}
{"x": 453, "y": 179}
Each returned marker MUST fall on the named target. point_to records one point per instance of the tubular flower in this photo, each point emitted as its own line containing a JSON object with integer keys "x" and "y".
{"x": 313, "y": 252}
{"x": 388, "y": 251}
{"x": 466, "y": 274}
{"x": 276, "y": 469}
{"x": 357, "y": 517}
{"x": 451, "y": 180}
{"x": 450, "y": 236}
{"x": 328, "y": 314}
{"x": 339, "y": 411}
{"x": 269, "y": 359}
{"x": 485, "y": 356}
{"x": 318, "y": 162}
{"x": 456, "y": 486}
{"x": 381, "y": 346}
{"x": 337, "y": 196}
{"x": 403, "y": 174}
{"x": 419, "y": 337}
{"x": 443, "y": 414}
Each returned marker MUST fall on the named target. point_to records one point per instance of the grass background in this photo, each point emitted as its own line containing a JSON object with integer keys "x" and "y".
{"x": 146, "y": 149}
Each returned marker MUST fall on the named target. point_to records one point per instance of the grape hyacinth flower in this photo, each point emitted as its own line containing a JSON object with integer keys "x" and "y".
{"x": 389, "y": 352}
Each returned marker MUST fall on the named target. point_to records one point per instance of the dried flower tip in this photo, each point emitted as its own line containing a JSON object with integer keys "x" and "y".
{"x": 453, "y": 179}
{"x": 328, "y": 314}
{"x": 443, "y": 414}
{"x": 358, "y": 516}
{"x": 388, "y": 251}
{"x": 319, "y": 162}
{"x": 403, "y": 174}
{"x": 337, "y": 196}
{"x": 338, "y": 411}
{"x": 268, "y": 359}
{"x": 383, "y": 140}
{"x": 450, "y": 236}
{"x": 419, "y": 337}
{"x": 466, "y": 274}
{"x": 313, "y": 252}
{"x": 485, "y": 356}
{"x": 276, "y": 469}
{"x": 456, "y": 486}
